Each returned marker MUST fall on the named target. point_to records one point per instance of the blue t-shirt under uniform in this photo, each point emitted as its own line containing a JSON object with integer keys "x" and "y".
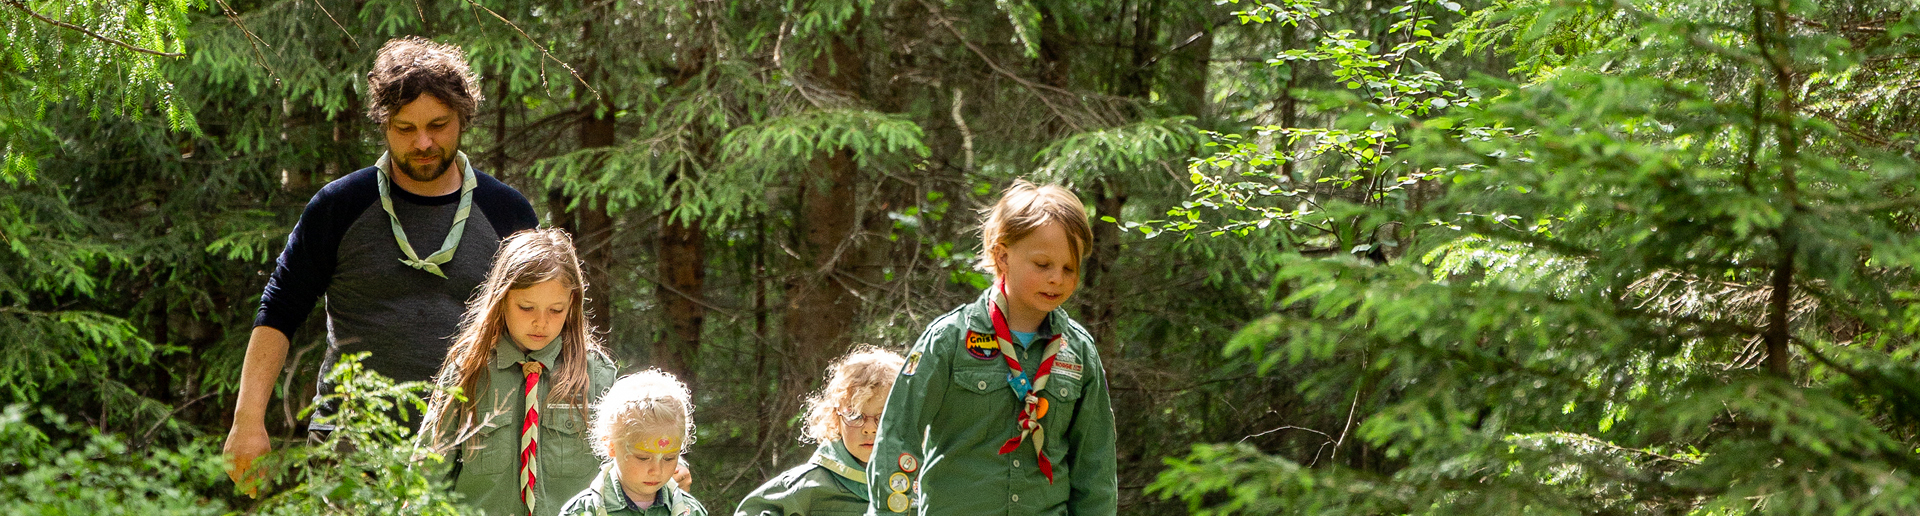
{"x": 343, "y": 249}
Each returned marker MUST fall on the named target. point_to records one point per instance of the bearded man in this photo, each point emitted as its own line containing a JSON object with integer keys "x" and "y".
{"x": 395, "y": 249}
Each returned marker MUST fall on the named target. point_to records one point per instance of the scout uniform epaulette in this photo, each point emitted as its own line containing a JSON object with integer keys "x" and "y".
{"x": 976, "y": 424}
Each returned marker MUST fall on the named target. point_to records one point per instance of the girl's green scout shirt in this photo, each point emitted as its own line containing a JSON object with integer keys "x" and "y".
{"x": 488, "y": 464}
{"x": 831, "y": 483}
{"x": 604, "y": 498}
{"x": 951, "y": 409}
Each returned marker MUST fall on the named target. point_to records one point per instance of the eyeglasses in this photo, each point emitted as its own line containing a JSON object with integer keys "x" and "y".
{"x": 855, "y": 420}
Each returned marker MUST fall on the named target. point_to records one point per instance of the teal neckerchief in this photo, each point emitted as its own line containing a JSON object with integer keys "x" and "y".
{"x": 432, "y": 263}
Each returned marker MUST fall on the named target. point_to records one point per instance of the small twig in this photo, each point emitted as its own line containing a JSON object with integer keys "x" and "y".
{"x": 253, "y": 40}
{"x": 343, "y": 29}
{"x": 543, "y": 50}
{"x": 17, "y": 4}
{"x": 148, "y": 436}
{"x": 1030, "y": 85}
{"x": 1337, "y": 443}
{"x": 286, "y": 383}
{"x": 966, "y": 135}
{"x": 1288, "y": 427}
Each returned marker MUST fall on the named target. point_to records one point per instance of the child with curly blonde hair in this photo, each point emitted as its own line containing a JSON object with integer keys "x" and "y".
{"x": 844, "y": 419}
{"x": 640, "y": 429}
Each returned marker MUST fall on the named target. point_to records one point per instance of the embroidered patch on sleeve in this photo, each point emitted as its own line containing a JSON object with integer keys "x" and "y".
{"x": 913, "y": 364}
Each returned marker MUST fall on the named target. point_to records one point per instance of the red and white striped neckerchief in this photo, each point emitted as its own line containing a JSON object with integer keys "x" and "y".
{"x": 1031, "y": 408}
{"x": 530, "y": 432}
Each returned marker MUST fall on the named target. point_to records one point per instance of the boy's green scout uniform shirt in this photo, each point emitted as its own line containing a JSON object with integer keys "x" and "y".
{"x": 604, "y": 498}
{"x": 831, "y": 483}
{"x": 951, "y": 409}
{"x": 489, "y": 462}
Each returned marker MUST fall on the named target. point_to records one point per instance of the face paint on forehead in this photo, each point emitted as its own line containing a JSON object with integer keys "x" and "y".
{"x": 661, "y": 444}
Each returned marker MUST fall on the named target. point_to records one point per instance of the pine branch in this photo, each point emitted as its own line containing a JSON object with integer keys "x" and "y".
{"x": 22, "y": 6}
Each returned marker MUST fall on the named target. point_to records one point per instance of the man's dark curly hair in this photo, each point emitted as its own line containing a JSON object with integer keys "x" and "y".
{"x": 410, "y": 66}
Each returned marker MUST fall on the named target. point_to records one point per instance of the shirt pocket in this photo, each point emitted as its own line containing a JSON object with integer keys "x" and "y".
{"x": 1062, "y": 395}
{"x": 567, "y": 460}
{"x": 491, "y": 451}
{"x": 987, "y": 382}
{"x": 1063, "y": 390}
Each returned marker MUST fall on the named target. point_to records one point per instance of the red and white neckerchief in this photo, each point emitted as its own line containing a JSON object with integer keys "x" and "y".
{"x": 1033, "y": 406}
{"x": 530, "y": 432}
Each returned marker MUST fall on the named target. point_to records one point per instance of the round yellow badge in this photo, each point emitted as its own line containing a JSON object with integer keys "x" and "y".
{"x": 899, "y": 482}
{"x": 897, "y": 502}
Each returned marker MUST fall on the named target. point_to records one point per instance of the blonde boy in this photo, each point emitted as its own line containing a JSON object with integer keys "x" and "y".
{"x": 1002, "y": 406}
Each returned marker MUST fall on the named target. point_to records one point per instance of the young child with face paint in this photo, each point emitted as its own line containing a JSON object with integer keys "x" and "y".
{"x": 529, "y": 366}
{"x": 641, "y": 427}
{"x": 844, "y": 418}
{"x": 1002, "y": 404}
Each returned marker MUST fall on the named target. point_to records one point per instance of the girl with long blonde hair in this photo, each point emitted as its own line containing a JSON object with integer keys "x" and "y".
{"x": 528, "y": 367}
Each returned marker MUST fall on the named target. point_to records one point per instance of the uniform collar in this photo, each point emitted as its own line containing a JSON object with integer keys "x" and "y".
{"x": 613, "y": 498}
{"x": 507, "y": 354}
{"x": 980, "y": 318}
{"x": 837, "y": 450}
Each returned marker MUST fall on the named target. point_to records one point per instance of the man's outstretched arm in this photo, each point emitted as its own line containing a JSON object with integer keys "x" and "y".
{"x": 248, "y": 440}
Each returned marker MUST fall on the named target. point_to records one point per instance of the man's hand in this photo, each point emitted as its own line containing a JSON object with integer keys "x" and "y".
{"x": 244, "y": 444}
{"x": 683, "y": 477}
{"x": 247, "y": 440}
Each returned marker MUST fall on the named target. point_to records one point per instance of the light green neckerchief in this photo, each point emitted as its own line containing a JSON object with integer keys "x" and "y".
{"x": 432, "y": 263}
{"x": 610, "y": 478}
{"x": 835, "y": 457}
{"x": 821, "y": 457}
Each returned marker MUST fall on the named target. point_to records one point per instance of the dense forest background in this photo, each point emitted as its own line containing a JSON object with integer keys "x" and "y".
{"x": 1351, "y": 257}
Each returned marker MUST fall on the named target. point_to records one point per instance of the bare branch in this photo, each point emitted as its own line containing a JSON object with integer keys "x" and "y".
{"x": 253, "y": 40}
{"x": 1030, "y": 85}
{"x": 543, "y": 50}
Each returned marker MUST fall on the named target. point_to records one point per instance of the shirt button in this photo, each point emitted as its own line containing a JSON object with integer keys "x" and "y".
{"x": 1016, "y": 463}
{"x": 983, "y": 386}
{"x": 1016, "y": 498}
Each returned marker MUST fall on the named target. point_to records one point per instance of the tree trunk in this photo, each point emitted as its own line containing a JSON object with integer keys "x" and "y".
{"x": 1193, "y": 62}
{"x": 1101, "y": 297}
{"x": 820, "y": 305}
{"x": 683, "y": 276}
{"x": 589, "y": 222}
{"x": 681, "y": 249}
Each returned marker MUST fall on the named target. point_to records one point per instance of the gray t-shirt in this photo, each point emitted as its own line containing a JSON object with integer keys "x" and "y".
{"x": 343, "y": 249}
